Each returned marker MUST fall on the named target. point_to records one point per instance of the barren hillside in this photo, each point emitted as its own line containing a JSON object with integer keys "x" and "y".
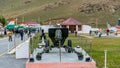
{"x": 86, "y": 11}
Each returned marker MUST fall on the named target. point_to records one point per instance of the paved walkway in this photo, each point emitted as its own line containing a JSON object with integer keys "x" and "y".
{"x": 5, "y": 44}
{"x": 9, "y": 61}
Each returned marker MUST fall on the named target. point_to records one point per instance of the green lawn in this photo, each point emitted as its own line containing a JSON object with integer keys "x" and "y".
{"x": 112, "y": 46}
{"x": 113, "y": 56}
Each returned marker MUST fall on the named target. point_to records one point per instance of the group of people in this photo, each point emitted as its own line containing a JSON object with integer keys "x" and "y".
{"x": 17, "y": 33}
{"x": 100, "y": 32}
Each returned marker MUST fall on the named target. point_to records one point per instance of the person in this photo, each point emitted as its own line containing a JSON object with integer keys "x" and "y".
{"x": 5, "y": 32}
{"x": 96, "y": 32}
{"x": 21, "y": 34}
{"x": 16, "y": 32}
{"x": 10, "y": 33}
{"x": 29, "y": 33}
{"x": 100, "y": 34}
{"x": 42, "y": 35}
{"x": 107, "y": 31}
{"x": 75, "y": 33}
{"x": 90, "y": 32}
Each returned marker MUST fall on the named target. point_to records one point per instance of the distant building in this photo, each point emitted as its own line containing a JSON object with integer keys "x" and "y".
{"x": 72, "y": 24}
{"x": 46, "y": 27}
{"x": 85, "y": 29}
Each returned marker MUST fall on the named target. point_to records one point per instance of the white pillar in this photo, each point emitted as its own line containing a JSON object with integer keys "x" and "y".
{"x": 68, "y": 26}
{"x": 76, "y": 27}
{"x": 105, "y": 61}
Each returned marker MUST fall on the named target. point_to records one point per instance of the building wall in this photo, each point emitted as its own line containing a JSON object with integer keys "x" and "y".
{"x": 46, "y": 27}
{"x": 85, "y": 29}
{"x": 73, "y": 28}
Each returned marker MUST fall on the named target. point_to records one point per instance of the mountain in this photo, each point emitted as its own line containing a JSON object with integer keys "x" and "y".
{"x": 85, "y": 11}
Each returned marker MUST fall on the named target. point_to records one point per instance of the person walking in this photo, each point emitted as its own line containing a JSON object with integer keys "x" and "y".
{"x": 29, "y": 33}
{"x": 10, "y": 33}
{"x": 21, "y": 34}
{"x": 5, "y": 32}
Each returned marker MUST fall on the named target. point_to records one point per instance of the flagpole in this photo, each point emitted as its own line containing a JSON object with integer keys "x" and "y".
{"x": 16, "y": 21}
{"x": 96, "y": 23}
{"x": 23, "y": 19}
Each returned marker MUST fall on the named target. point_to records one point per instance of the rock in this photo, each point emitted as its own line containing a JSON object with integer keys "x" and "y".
{"x": 56, "y": 4}
{"x": 105, "y": 6}
{"x": 26, "y": 2}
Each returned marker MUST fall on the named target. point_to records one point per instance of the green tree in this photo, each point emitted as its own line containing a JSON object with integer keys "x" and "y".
{"x": 3, "y": 20}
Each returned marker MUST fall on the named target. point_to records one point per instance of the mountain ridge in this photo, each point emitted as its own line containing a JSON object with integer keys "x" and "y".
{"x": 84, "y": 11}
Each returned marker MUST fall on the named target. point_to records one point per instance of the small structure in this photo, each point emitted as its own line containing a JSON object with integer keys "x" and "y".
{"x": 33, "y": 25}
{"x": 72, "y": 24}
{"x": 46, "y": 27}
{"x": 85, "y": 29}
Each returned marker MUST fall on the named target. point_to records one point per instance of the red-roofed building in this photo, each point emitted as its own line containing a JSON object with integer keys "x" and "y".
{"x": 32, "y": 24}
{"x": 72, "y": 24}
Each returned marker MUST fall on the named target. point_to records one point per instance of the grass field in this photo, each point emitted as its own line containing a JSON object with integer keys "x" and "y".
{"x": 112, "y": 46}
{"x": 98, "y": 46}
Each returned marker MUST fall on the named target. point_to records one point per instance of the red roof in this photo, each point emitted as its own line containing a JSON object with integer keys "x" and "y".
{"x": 31, "y": 23}
{"x": 71, "y": 21}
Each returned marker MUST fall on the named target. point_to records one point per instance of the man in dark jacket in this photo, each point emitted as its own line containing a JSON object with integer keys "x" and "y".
{"x": 21, "y": 34}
